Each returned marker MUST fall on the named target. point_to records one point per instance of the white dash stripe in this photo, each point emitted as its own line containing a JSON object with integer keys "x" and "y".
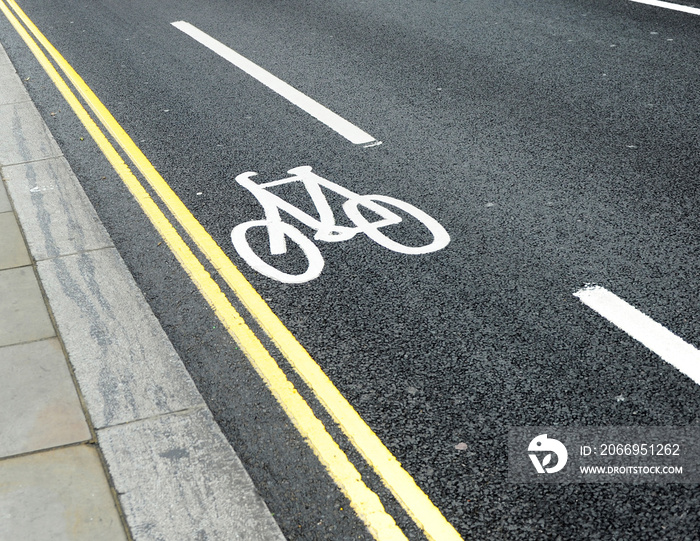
{"x": 669, "y": 5}
{"x": 337, "y": 123}
{"x": 641, "y": 327}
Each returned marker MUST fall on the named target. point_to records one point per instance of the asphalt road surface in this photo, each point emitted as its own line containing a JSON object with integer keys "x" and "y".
{"x": 555, "y": 141}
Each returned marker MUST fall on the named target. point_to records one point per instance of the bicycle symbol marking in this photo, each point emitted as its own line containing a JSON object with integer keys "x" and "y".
{"x": 325, "y": 224}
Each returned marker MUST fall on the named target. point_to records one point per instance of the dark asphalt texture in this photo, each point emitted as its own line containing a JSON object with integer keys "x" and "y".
{"x": 557, "y": 142}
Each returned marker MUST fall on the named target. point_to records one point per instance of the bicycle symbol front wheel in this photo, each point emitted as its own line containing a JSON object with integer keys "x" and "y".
{"x": 310, "y": 250}
{"x": 441, "y": 237}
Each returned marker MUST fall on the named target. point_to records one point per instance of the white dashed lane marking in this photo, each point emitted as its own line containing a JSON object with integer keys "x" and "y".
{"x": 669, "y": 5}
{"x": 653, "y": 335}
{"x": 337, "y": 123}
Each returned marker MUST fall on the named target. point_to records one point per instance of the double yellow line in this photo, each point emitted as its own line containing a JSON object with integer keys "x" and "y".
{"x": 365, "y": 502}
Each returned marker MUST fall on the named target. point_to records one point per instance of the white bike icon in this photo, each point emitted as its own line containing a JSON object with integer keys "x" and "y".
{"x": 325, "y": 225}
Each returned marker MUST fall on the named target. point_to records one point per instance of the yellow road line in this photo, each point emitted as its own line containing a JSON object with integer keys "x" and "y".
{"x": 365, "y": 502}
{"x": 404, "y": 488}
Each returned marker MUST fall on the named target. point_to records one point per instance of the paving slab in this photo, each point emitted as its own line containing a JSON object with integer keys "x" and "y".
{"x": 13, "y": 252}
{"x": 39, "y": 406}
{"x": 24, "y": 137}
{"x": 125, "y": 365}
{"x": 55, "y": 214}
{"x": 184, "y": 462}
{"x": 58, "y": 495}
{"x": 13, "y": 90}
{"x": 23, "y": 314}
{"x": 5, "y": 205}
{"x": 4, "y": 59}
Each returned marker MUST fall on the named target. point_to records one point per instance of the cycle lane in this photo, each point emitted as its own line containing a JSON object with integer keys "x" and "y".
{"x": 298, "y": 412}
{"x": 421, "y": 272}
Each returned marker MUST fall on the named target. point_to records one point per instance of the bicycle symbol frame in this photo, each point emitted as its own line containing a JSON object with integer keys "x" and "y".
{"x": 325, "y": 225}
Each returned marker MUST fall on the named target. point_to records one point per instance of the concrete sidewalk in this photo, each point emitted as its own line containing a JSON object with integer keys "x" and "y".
{"x": 103, "y": 435}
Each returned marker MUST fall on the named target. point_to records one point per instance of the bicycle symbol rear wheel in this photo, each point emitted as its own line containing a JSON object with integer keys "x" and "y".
{"x": 441, "y": 237}
{"x": 310, "y": 250}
